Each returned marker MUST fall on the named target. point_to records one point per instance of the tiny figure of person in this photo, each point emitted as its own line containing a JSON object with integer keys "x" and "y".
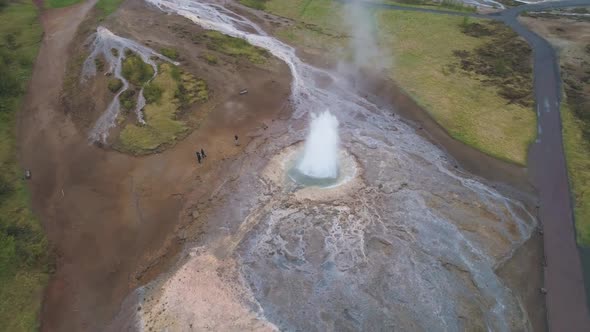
{"x": 203, "y": 153}
{"x": 199, "y": 156}
{"x": 236, "y": 140}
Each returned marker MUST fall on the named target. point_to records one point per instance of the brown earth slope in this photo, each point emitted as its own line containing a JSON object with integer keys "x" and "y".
{"x": 111, "y": 217}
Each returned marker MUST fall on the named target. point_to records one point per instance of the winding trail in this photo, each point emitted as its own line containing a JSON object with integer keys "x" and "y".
{"x": 567, "y": 308}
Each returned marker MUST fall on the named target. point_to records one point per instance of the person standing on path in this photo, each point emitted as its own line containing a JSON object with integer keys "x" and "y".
{"x": 236, "y": 140}
{"x": 203, "y": 153}
{"x": 199, "y": 156}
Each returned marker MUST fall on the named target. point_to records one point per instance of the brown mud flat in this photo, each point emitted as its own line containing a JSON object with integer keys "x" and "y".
{"x": 117, "y": 221}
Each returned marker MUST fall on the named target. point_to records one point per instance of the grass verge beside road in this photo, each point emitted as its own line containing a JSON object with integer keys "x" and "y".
{"x": 469, "y": 105}
{"x": 24, "y": 257}
{"x": 577, "y": 152}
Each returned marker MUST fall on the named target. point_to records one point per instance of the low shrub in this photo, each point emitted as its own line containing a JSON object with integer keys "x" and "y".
{"x": 152, "y": 93}
{"x": 127, "y": 99}
{"x": 170, "y": 53}
{"x": 115, "y": 84}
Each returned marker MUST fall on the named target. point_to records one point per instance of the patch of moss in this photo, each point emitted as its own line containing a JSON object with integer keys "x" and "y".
{"x": 237, "y": 47}
{"x": 256, "y": 4}
{"x": 136, "y": 71}
{"x": 107, "y": 7}
{"x": 127, "y": 100}
{"x": 165, "y": 100}
{"x": 170, "y": 53}
{"x": 191, "y": 90}
{"x": 115, "y": 84}
{"x": 210, "y": 58}
{"x": 152, "y": 93}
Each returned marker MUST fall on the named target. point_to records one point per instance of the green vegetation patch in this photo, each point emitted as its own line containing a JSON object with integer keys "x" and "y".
{"x": 61, "y": 3}
{"x": 152, "y": 93}
{"x": 115, "y": 84}
{"x": 166, "y": 95}
{"x": 107, "y": 7}
{"x": 256, "y": 4}
{"x": 25, "y": 261}
{"x": 471, "y": 109}
{"x": 503, "y": 61}
{"x": 170, "y": 53}
{"x": 236, "y": 47}
{"x": 128, "y": 99}
{"x": 136, "y": 71}
{"x": 577, "y": 152}
{"x": 575, "y": 113}
{"x": 191, "y": 90}
{"x": 210, "y": 58}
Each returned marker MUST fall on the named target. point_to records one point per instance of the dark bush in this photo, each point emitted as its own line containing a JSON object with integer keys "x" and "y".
{"x": 115, "y": 84}
{"x": 136, "y": 71}
{"x": 152, "y": 93}
{"x": 10, "y": 85}
{"x": 170, "y": 53}
{"x": 127, "y": 99}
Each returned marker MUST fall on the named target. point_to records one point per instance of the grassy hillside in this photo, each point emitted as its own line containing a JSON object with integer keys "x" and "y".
{"x": 473, "y": 77}
{"x": 577, "y": 152}
{"x": 24, "y": 259}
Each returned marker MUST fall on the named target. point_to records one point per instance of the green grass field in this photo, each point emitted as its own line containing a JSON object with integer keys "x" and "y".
{"x": 577, "y": 152}
{"x": 24, "y": 257}
{"x": 470, "y": 110}
{"x": 422, "y": 49}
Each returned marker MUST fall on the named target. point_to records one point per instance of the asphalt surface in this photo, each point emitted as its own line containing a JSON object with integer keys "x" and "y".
{"x": 567, "y": 307}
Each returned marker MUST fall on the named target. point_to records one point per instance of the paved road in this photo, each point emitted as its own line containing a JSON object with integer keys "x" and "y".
{"x": 567, "y": 308}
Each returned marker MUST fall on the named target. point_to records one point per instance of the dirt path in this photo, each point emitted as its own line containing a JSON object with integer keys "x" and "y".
{"x": 113, "y": 219}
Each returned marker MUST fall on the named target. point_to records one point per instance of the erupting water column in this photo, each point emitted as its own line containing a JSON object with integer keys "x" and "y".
{"x": 320, "y": 156}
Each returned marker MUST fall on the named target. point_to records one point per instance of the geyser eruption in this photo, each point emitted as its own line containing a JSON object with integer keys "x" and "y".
{"x": 320, "y": 155}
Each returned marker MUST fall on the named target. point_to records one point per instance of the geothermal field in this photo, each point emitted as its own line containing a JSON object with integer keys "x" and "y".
{"x": 256, "y": 165}
{"x": 341, "y": 217}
